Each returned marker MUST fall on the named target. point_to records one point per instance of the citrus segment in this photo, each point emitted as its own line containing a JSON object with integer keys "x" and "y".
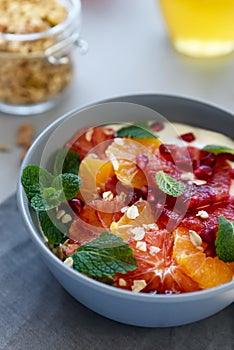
{"x": 206, "y": 271}
{"x": 123, "y": 154}
{"x": 125, "y": 225}
{"x": 94, "y": 172}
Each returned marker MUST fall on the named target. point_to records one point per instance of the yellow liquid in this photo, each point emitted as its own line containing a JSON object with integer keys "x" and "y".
{"x": 200, "y": 28}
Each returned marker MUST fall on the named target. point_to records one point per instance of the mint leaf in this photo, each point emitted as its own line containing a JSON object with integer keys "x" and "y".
{"x": 104, "y": 256}
{"x": 225, "y": 240}
{"x": 66, "y": 161}
{"x": 168, "y": 185}
{"x": 34, "y": 178}
{"x": 54, "y": 234}
{"x": 218, "y": 149}
{"x": 49, "y": 198}
{"x": 134, "y": 131}
{"x": 69, "y": 184}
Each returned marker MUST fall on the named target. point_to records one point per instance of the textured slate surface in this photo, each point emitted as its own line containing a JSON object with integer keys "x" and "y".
{"x": 36, "y": 312}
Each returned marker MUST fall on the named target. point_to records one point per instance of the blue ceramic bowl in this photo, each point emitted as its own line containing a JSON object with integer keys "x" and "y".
{"x": 138, "y": 309}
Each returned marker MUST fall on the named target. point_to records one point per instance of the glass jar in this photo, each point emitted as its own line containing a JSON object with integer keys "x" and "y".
{"x": 37, "y": 66}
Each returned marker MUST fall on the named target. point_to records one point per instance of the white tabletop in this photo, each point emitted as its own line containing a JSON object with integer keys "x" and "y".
{"x": 128, "y": 53}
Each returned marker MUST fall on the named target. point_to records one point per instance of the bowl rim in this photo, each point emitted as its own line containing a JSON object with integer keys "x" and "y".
{"x": 24, "y": 209}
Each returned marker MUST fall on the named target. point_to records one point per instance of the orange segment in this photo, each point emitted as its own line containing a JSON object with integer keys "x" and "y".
{"x": 124, "y": 226}
{"x": 206, "y": 271}
{"x": 94, "y": 172}
{"x": 123, "y": 152}
{"x": 151, "y": 143}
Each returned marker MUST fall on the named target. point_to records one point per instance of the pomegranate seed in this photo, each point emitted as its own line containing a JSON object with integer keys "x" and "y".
{"x": 76, "y": 205}
{"x": 142, "y": 160}
{"x": 208, "y": 235}
{"x": 210, "y": 250}
{"x": 209, "y": 160}
{"x": 232, "y": 173}
{"x": 188, "y": 137}
{"x": 157, "y": 126}
{"x": 203, "y": 172}
{"x": 133, "y": 197}
{"x": 165, "y": 152}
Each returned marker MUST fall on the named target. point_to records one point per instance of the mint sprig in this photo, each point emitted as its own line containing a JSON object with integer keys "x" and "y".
{"x": 104, "y": 256}
{"x": 168, "y": 185}
{"x": 218, "y": 149}
{"x": 46, "y": 191}
{"x": 135, "y": 132}
{"x": 225, "y": 240}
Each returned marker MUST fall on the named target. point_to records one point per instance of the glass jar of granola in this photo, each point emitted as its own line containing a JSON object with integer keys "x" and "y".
{"x": 36, "y": 41}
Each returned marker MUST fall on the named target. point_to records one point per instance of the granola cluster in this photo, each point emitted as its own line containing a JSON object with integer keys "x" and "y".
{"x": 26, "y": 76}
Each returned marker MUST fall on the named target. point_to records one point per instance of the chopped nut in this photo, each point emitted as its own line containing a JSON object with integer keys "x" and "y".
{"x": 89, "y": 135}
{"x": 4, "y": 148}
{"x": 59, "y": 252}
{"x": 132, "y": 212}
{"x": 119, "y": 141}
{"x": 60, "y": 214}
{"x": 198, "y": 182}
{"x": 66, "y": 218}
{"x": 122, "y": 282}
{"x": 69, "y": 261}
{"x": 107, "y": 196}
{"x": 25, "y": 135}
{"x": 139, "y": 233}
{"x": 154, "y": 250}
{"x": 124, "y": 209}
{"x": 114, "y": 162}
{"x": 202, "y": 214}
{"x": 150, "y": 226}
{"x": 195, "y": 238}
{"x": 187, "y": 176}
{"x": 138, "y": 285}
{"x": 93, "y": 155}
{"x": 141, "y": 246}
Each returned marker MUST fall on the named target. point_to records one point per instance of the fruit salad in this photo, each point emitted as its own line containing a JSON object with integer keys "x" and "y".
{"x": 126, "y": 207}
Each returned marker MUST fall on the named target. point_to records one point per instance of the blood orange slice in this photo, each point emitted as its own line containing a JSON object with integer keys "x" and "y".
{"x": 157, "y": 271}
{"x": 84, "y": 141}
